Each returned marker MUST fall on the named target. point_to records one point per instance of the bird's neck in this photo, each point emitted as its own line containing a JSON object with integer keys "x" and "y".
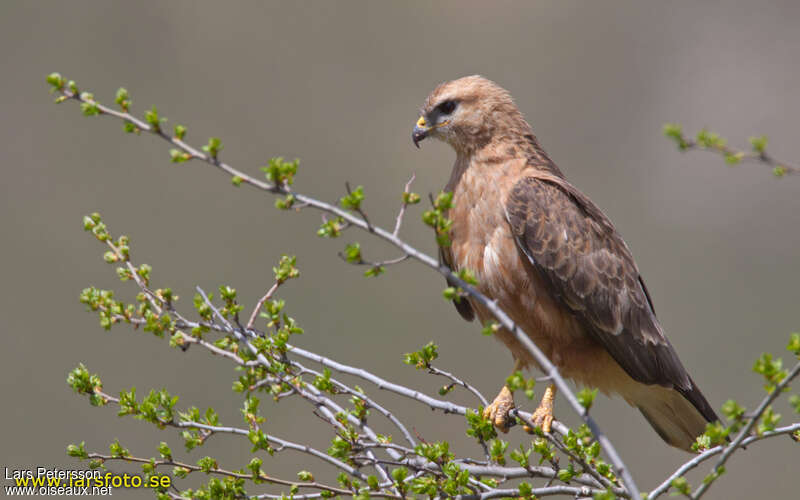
{"x": 501, "y": 151}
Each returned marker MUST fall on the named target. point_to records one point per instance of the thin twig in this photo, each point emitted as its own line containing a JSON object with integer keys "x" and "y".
{"x": 260, "y": 304}
{"x": 403, "y": 206}
{"x": 457, "y": 381}
{"x": 358, "y": 210}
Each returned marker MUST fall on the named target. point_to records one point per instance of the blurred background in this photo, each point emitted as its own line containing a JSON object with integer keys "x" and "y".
{"x": 338, "y": 85}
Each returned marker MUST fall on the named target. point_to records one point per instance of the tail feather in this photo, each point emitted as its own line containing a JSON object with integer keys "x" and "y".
{"x": 678, "y": 417}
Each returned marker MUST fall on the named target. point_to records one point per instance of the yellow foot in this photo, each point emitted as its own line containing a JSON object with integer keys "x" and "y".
{"x": 497, "y": 412}
{"x": 543, "y": 416}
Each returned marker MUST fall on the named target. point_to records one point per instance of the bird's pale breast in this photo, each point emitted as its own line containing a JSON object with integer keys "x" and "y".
{"x": 482, "y": 242}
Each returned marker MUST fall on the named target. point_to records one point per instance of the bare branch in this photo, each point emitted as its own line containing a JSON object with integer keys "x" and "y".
{"x": 403, "y": 206}
{"x": 260, "y": 304}
{"x": 457, "y": 381}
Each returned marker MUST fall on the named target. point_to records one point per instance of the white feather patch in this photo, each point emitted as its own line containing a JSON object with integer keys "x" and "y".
{"x": 491, "y": 261}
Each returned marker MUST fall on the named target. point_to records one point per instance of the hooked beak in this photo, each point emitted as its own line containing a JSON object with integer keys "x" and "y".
{"x": 420, "y": 131}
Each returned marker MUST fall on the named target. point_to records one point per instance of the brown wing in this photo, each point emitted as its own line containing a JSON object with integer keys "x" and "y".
{"x": 462, "y": 306}
{"x": 589, "y": 268}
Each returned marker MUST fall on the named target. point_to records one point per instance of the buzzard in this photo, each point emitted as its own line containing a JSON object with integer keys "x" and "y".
{"x": 554, "y": 263}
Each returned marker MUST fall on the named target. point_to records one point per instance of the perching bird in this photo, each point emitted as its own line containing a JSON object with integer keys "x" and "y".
{"x": 554, "y": 263}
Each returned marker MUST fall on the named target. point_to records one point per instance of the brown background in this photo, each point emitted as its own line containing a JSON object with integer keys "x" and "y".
{"x": 338, "y": 85}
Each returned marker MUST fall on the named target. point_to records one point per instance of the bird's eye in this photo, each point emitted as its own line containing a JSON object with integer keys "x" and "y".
{"x": 447, "y": 107}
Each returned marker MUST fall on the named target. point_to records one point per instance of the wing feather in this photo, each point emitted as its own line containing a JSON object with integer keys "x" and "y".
{"x": 590, "y": 269}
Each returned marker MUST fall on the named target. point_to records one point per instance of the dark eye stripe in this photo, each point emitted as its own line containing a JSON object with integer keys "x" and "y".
{"x": 447, "y": 107}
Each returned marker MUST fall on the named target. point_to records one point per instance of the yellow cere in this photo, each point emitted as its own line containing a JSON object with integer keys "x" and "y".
{"x": 421, "y": 121}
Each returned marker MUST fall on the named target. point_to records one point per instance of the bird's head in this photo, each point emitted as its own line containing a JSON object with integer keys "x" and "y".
{"x": 465, "y": 113}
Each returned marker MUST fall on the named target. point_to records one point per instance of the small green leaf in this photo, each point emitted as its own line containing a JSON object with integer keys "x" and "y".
{"x": 281, "y": 172}
{"x": 410, "y": 198}
{"x": 78, "y": 451}
{"x": 682, "y": 486}
{"x": 88, "y": 105}
{"x": 165, "y": 451}
{"x": 710, "y": 140}
{"x": 732, "y": 410}
{"x": 353, "y": 199}
{"x": 180, "y": 132}
{"x": 423, "y": 357}
{"x": 374, "y": 272}
{"x": 352, "y": 253}
{"x": 675, "y": 132}
{"x": 285, "y": 203}
{"x": 794, "y": 401}
{"x": 490, "y": 328}
{"x": 733, "y": 158}
{"x": 794, "y": 344}
{"x": 178, "y": 156}
{"x": 286, "y": 268}
{"x": 759, "y": 143}
{"x": 56, "y": 81}
{"x": 152, "y": 118}
{"x": 213, "y": 147}
{"x": 207, "y": 464}
{"x": 122, "y": 99}
{"x": 586, "y": 397}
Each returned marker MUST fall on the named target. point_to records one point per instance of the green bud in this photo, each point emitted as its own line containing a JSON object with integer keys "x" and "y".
{"x": 490, "y": 328}
{"x": 56, "y": 81}
{"x": 179, "y": 156}
{"x": 429, "y": 217}
{"x": 759, "y": 143}
{"x": 794, "y": 343}
{"x": 586, "y": 397}
{"x": 152, "y": 118}
{"x": 213, "y": 147}
{"x": 180, "y": 132}
{"x": 733, "y": 158}
{"x": 374, "y": 272}
{"x": 353, "y": 200}
{"x": 78, "y": 451}
{"x": 122, "y": 99}
{"x": 285, "y": 203}
{"x": 682, "y": 486}
{"x": 411, "y": 198}
{"x": 675, "y": 132}
{"x": 165, "y": 451}
{"x": 89, "y": 106}
{"x": 352, "y": 253}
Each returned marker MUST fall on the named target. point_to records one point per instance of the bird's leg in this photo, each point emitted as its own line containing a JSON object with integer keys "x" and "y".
{"x": 543, "y": 416}
{"x": 497, "y": 411}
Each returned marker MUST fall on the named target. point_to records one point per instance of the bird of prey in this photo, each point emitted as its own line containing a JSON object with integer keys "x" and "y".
{"x": 554, "y": 263}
